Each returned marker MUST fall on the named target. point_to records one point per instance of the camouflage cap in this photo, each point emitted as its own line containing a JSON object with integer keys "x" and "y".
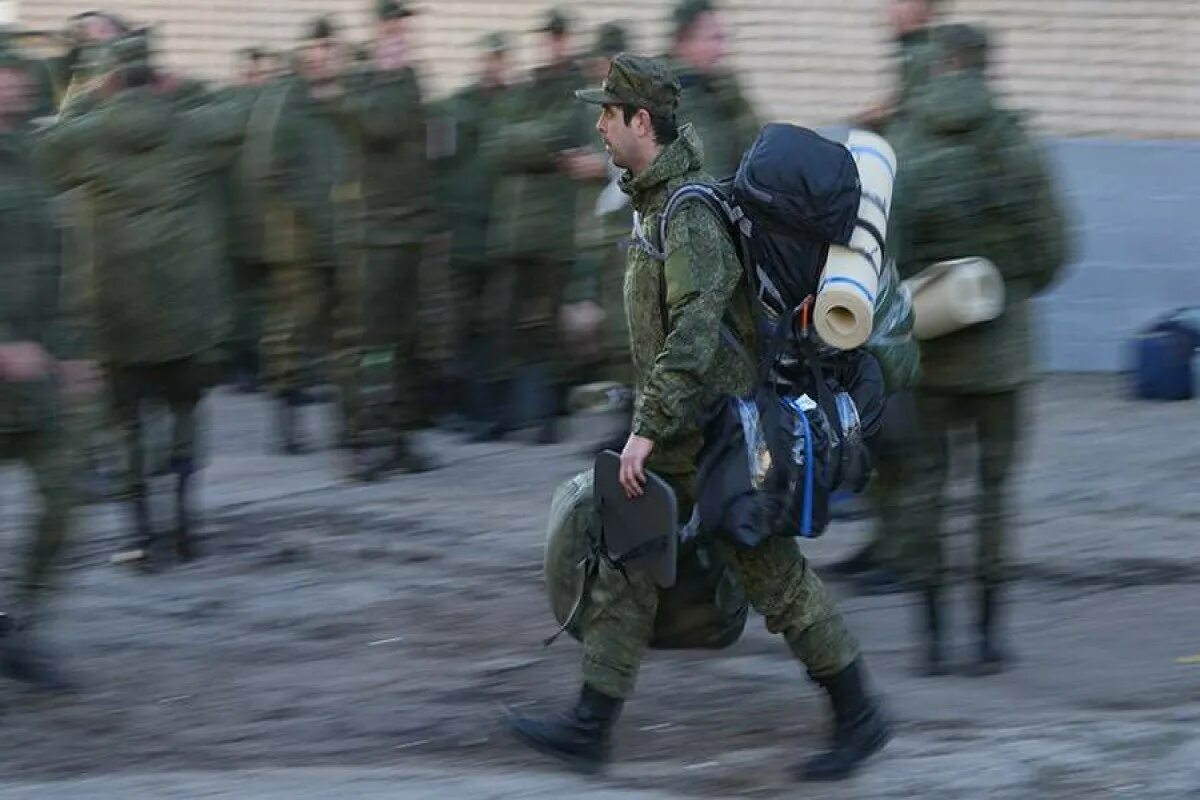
{"x": 393, "y": 9}
{"x": 555, "y": 23}
{"x": 687, "y": 12}
{"x": 610, "y": 40}
{"x": 637, "y": 81}
{"x": 495, "y": 43}
{"x": 320, "y": 28}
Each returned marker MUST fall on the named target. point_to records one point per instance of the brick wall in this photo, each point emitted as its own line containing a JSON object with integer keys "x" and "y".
{"x": 1122, "y": 68}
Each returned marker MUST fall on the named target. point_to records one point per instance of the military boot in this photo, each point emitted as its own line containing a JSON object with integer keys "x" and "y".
{"x": 861, "y": 726}
{"x": 933, "y": 661}
{"x": 22, "y": 660}
{"x": 409, "y": 459}
{"x": 491, "y": 402}
{"x": 139, "y": 552}
{"x": 992, "y": 657}
{"x": 581, "y": 737}
{"x": 185, "y": 547}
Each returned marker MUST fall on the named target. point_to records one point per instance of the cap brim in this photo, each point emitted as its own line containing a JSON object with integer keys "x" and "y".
{"x": 597, "y": 97}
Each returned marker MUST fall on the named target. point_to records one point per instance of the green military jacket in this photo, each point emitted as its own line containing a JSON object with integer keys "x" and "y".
{"x": 148, "y": 158}
{"x": 468, "y": 181}
{"x": 723, "y": 117}
{"x": 307, "y": 163}
{"x": 535, "y": 201}
{"x": 676, "y": 309}
{"x": 384, "y": 113}
{"x": 29, "y": 274}
{"x": 239, "y": 194}
{"x": 972, "y": 183}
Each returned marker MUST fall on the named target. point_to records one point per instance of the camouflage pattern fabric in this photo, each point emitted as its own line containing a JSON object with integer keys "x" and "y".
{"x": 995, "y": 421}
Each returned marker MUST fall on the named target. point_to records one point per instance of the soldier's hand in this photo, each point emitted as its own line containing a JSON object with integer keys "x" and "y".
{"x": 80, "y": 377}
{"x": 632, "y": 475}
{"x": 22, "y": 362}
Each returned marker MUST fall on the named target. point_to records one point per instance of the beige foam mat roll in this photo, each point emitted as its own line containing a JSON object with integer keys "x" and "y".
{"x": 844, "y": 312}
{"x": 952, "y": 295}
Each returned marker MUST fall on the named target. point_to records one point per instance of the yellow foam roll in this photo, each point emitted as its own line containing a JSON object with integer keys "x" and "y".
{"x": 844, "y": 312}
{"x": 952, "y": 295}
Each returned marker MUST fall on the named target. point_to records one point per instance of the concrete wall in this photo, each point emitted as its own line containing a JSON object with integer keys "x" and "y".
{"x": 1135, "y": 205}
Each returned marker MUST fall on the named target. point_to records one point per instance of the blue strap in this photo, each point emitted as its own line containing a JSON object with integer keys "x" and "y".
{"x": 806, "y": 522}
{"x": 857, "y": 284}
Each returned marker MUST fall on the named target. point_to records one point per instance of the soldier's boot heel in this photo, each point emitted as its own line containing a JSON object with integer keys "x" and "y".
{"x": 933, "y": 662}
{"x": 862, "y": 727}
{"x": 580, "y": 737}
{"x": 140, "y": 550}
{"x": 992, "y": 657}
{"x": 185, "y": 545}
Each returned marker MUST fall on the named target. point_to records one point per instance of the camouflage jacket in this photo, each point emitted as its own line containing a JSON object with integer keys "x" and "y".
{"x": 239, "y": 195}
{"x": 467, "y": 181}
{"x": 676, "y": 309}
{"x": 384, "y": 113}
{"x": 30, "y": 273}
{"x": 149, "y": 158}
{"x": 535, "y": 201}
{"x": 972, "y": 183}
{"x": 724, "y": 119}
{"x": 306, "y": 165}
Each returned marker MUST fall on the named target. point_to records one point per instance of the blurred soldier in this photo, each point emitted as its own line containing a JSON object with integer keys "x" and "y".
{"x": 303, "y": 160}
{"x": 605, "y": 218}
{"x": 148, "y": 151}
{"x": 468, "y": 190}
{"x": 87, "y": 61}
{"x": 41, "y": 75}
{"x": 676, "y": 311}
{"x": 874, "y": 566}
{"x": 972, "y": 183}
{"x": 244, "y": 231}
{"x": 538, "y": 130}
{"x": 31, "y": 341}
{"x": 383, "y": 110}
{"x": 713, "y": 100}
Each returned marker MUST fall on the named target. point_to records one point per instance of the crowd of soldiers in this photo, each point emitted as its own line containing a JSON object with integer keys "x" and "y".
{"x": 323, "y": 221}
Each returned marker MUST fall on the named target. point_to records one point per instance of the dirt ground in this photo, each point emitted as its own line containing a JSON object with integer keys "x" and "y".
{"x": 363, "y": 640}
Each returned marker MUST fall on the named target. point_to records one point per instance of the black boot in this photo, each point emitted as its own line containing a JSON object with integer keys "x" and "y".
{"x": 139, "y": 552}
{"x": 288, "y": 409}
{"x": 185, "y": 547}
{"x": 491, "y": 403}
{"x": 992, "y": 657}
{"x": 862, "y": 561}
{"x": 409, "y": 459}
{"x": 861, "y": 727}
{"x": 581, "y": 737}
{"x": 22, "y": 660}
{"x": 934, "y": 659}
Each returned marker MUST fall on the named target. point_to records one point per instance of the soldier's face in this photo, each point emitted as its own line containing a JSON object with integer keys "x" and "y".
{"x": 322, "y": 60}
{"x": 703, "y": 46}
{"x": 14, "y": 94}
{"x": 556, "y": 47}
{"x": 621, "y": 139}
{"x": 906, "y": 16}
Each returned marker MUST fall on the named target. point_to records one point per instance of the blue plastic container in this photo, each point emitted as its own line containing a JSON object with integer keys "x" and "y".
{"x": 1162, "y": 365}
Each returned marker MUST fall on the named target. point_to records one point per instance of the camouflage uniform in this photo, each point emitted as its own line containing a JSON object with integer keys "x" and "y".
{"x": 682, "y": 364}
{"x": 30, "y": 427}
{"x": 972, "y": 183}
{"x": 534, "y": 235}
{"x": 468, "y": 186}
{"x": 148, "y": 157}
{"x": 384, "y": 113}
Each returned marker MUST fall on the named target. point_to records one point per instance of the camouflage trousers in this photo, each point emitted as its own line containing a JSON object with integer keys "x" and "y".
{"x": 179, "y": 385}
{"x": 46, "y": 454}
{"x": 479, "y": 312}
{"x": 538, "y": 282}
{"x": 378, "y": 346}
{"x": 891, "y": 482}
{"x": 302, "y": 303}
{"x": 995, "y": 422}
{"x": 617, "y": 621}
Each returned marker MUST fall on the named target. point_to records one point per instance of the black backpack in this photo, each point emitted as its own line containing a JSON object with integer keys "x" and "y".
{"x": 815, "y": 411}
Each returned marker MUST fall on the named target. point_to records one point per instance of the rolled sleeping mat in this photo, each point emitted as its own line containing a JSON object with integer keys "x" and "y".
{"x": 952, "y": 295}
{"x": 845, "y": 306}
